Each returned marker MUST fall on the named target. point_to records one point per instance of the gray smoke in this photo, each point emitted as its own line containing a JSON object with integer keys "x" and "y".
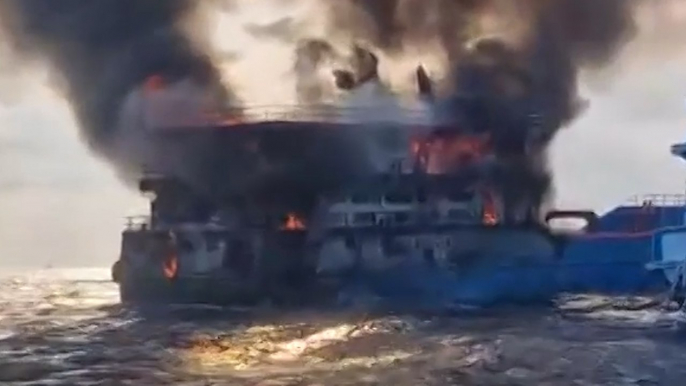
{"x": 311, "y": 55}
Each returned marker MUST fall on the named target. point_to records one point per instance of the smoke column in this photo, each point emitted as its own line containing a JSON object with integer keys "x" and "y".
{"x": 119, "y": 62}
{"x": 101, "y": 52}
{"x": 512, "y": 66}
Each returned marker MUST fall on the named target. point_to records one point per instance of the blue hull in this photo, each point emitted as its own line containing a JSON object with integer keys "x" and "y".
{"x": 634, "y": 249}
{"x": 430, "y": 287}
{"x": 604, "y": 262}
{"x": 613, "y": 265}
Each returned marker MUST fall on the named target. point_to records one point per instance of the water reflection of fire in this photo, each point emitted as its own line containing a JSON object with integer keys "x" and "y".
{"x": 293, "y": 223}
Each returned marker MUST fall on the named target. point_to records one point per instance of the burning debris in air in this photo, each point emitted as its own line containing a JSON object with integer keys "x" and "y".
{"x": 511, "y": 82}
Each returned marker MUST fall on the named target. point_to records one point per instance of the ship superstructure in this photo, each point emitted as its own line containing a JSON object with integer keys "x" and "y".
{"x": 222, "y": 247}
{"x": 253, "y": 203}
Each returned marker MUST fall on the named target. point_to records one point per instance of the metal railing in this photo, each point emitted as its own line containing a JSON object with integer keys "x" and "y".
{"x": 136, "y": 223}
{"x": 372, "y": 114}
{"x": 658, "y": 200}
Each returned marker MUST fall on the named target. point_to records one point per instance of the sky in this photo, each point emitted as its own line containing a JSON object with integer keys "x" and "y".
{"x": 59, "y": 205}
{"x": 620, "y": 147}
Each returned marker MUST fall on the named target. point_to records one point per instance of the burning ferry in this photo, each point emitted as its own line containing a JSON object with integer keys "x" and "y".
{"x": 408, "y": 229}
{"x": 248, "y": 205}
{"x": 407, "y": 226}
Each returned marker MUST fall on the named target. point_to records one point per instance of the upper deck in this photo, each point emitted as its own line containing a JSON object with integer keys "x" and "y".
{"x": 303, "y": 116}
{"x": 657, "y": 200}
{"x": 387, "y": 200}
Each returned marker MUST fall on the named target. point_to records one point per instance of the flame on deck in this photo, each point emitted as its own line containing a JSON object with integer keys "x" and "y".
{"x": 442, "y": 153}
{"x": 293, "y": 223}
{"x": 490, "y": 212}
{"x": 219, "y": 119}
{"x": 205, "y": 113}
{"x": 154, "y": 83}
{"x": 170, "y": 267}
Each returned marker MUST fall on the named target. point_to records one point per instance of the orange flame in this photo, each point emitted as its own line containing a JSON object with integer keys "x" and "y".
{"x": 441, "y": 152}
{"x": 419, "y": 149}
{"x": 464, "y": 147}
{"x": 170, "y": 267}
{"x": 293, "y": 223}
{"x": 216, "y": 118}
{"x": 154, "y": 83}
{"x": 490, "y": 214}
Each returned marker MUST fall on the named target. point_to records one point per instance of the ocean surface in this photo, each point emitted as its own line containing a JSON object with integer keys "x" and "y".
{"x": 66, "y": 327}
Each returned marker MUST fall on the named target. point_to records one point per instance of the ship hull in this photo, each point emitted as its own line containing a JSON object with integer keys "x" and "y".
{"x": 474, "y": 267}
{"x": 610, "y": 263}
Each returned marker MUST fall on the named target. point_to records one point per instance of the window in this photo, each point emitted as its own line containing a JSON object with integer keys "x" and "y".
{"x": 421, "y": 195}
{"x": 365, "y": 199}
{"x": 336, "y": 219}
{"x": 399, "y": 198}
{"x": 429, "y": 257}
{"x": 365, "y": 218}
{"x": 184, "y": 245}
{"x": 349, "y": 242}
{"x": 459, "y": 215}
{"x": 401, "y": 218}
{"x": 461, "y": 196}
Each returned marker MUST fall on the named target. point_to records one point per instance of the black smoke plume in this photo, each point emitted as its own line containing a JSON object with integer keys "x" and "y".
{"x": 99, "y": 52}
{"x": 120, "y": 61}
{"x": 517, "y": 81}
{"x": 521, "y": 89}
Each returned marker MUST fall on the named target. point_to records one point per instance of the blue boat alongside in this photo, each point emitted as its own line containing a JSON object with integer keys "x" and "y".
{"x": 633, "y": 248}
{"x": 438, "y": 288}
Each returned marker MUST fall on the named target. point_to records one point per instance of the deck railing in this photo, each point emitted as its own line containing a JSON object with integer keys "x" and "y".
{"x": 371, "y": 114}
{"x": 658, "y": 200}
{"x": 136, "y": 223}
{"x": 356, "y": 114}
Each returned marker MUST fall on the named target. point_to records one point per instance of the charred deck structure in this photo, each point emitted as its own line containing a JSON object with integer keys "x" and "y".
{"x": 303, "y": 223}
